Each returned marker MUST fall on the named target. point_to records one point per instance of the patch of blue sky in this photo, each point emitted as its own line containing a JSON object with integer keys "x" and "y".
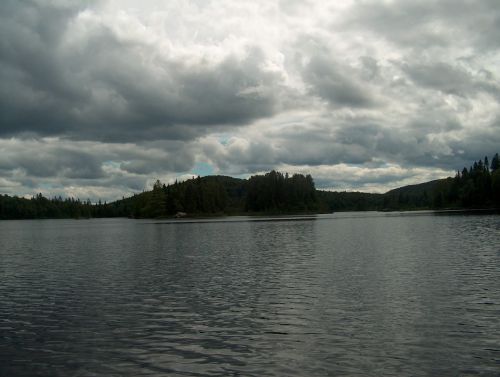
{"x": 223, "y": 138}
{"x": 45, "y": 186}
{"x": 111, "y": 163}
{"x": 203, "y": 169}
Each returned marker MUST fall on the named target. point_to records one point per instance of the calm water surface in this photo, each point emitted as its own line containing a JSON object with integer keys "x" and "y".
{"x": 354, "y": 294}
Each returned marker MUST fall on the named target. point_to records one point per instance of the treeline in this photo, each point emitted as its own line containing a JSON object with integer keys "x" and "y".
{"x": 273, "y": 192}
{"x": 475, "y": 187}
{"x": 40, "y": 207}
{"x": 333, "y": 201}
{"x": 208, "y": 195}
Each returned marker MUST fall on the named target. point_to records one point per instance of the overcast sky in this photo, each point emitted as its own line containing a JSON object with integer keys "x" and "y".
{"x": 100, "y": 99}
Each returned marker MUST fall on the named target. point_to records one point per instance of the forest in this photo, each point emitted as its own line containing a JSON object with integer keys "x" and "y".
{"x": 273, "y": 192}
{"x": 477, "y": 186}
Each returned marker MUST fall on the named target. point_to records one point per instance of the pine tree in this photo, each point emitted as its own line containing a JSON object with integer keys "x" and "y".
{"x": 495, "y": 162}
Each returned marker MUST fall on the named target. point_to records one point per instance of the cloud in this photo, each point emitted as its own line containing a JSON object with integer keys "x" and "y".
{"x": 450, "y": 79}
{"x": 336, "y": 84}
{"x": 101, "y": 98}
{"x": 41, "y": 165}
{"x": 429, "y": 23}
{"x": 440, "y": 76}
{"x": 81, "y": 79}
{"x": 377, "y": 179}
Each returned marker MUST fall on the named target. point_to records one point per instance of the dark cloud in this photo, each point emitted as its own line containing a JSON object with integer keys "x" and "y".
{"x": 370, "y": 68}
{"x": 34, "y": 94}
{"x": 475, "y": 143}
{"x": 179, "y": 101}
{"x": 441, "y": 76}
{"x": 105, "y": 88}
{"x": 83, "y": 163}
{"x": 451, "y": 79}
{"x": 430, "y": 23}
{"x": 179, "y": 160}
{"x": 330, "y": 83}
{"x": 42, "y": 161}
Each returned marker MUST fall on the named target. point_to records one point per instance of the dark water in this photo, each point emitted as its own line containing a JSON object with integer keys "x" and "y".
{"x": 344, "y": 295}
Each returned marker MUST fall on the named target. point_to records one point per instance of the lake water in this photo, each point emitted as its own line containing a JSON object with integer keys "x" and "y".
{"x": 352, "y": 294}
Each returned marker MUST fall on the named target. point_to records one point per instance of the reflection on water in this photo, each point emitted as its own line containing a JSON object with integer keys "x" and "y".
{"x": 346, "y": 294}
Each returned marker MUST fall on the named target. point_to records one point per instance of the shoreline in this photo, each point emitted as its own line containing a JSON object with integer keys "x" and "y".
{"x": 277, "y": 215}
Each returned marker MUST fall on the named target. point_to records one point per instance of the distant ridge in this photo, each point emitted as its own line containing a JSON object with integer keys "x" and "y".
{"x": 416, "y": 189}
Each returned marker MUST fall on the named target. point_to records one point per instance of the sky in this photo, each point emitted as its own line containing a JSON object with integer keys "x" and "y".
{"x": 101, "y": 98}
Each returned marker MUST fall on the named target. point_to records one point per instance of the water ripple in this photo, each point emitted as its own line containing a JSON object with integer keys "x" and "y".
{"x": 344, "y": 295}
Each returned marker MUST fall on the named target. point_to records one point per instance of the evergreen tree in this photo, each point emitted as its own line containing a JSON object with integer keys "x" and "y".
{"x": 495, "y": 163}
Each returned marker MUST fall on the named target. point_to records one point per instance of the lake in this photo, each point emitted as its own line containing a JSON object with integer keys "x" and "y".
{"x": 347, "y": 294}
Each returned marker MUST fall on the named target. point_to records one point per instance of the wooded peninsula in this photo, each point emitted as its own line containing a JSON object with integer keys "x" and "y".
{"x": 273, "y": 193}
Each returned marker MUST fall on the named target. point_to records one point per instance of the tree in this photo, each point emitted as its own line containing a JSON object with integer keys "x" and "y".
{"x": 495, "y": 163}
{"x": 156, "y": 205}
{"x": 278, "y": 192}
{"x": 495, "y": 186}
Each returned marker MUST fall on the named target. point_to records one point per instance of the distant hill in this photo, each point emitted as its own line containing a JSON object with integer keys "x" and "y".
{"x": 272, "y": 193}
{"x": 418, "y": 189}
{"x": 411, "y": 197}
{"x": 475, "y": 187}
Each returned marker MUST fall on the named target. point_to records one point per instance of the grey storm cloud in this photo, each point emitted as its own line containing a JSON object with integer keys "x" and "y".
{"x": 451, "y": 79}
{"x": 82, "y": 163}
{"x": 102, "y": 88}
{"x": 178, "y": 160}
{"x": 430, "y": 23}
{"x": 40, "y": 162}
{"x": 331, "y": 82}
{"x": 441, "y": 76}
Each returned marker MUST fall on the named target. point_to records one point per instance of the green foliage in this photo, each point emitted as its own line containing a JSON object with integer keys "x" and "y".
{"x": 331, "y": 201}
{"x": 476, "y": 187}
{"x": 495, "y": 163}
{"x": 196, "y": 196}
{"x": 156, "y": 203}
{"x": 276, "y": 192}
{"x": 40, "y": 207}
{"x": 495, "y": 187}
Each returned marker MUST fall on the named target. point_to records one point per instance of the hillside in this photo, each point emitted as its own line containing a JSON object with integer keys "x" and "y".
{"x": 415, "y": 190}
